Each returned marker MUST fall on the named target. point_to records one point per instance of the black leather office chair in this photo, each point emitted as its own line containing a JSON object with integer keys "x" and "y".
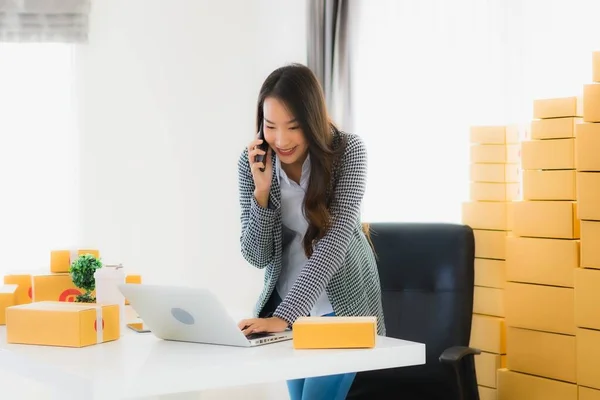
{"x": 426, "y": 273}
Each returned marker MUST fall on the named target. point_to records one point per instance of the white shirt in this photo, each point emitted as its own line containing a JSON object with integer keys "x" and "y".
{"x": 294, "y": 221}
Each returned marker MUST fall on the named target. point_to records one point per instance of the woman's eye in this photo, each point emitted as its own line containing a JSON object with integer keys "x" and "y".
{"x": 270, "y": 127}
{"x": 294, "y": 127}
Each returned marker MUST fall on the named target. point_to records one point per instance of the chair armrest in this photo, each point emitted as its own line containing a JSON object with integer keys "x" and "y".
{"x": 457, "y": 353}
{"x": 462, "y": 361}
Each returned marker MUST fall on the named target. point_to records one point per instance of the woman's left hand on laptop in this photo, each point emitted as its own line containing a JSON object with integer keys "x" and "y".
{"x": 262, "y": 325}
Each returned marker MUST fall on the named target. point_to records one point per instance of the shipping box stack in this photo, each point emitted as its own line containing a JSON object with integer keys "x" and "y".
{"x": 587, "y": 277}
{"x": 542, "y": 256}
{"x": 494, "y": 185}
{"x": 53, "y": 285}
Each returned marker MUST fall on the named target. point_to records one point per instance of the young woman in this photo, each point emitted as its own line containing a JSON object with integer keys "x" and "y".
{"x": 301, "y": 218}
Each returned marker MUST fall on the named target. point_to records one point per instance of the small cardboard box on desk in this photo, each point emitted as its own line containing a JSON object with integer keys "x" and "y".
{"x": 54, "y": 323}
{"x": 8, "y": 298}
{"x": 334, "y": 332}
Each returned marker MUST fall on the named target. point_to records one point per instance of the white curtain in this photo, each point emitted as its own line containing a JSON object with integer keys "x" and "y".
{"x": 424, "y": 71}
{"x": 39, "y": 195}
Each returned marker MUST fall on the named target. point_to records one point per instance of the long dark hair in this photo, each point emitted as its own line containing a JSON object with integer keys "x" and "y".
{"x": 298, "y": 88}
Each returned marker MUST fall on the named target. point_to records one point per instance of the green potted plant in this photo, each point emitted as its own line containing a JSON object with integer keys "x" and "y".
{"x": 82, "y": 274}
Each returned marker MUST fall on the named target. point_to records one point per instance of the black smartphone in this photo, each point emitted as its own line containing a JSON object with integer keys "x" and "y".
{"x": 264, "y": 147}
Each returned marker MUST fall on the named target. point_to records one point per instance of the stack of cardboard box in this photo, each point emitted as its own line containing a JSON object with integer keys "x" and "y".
{"x": 587, "y": 278}
{"x": 542, "y": 256}
{"x": 495, "y": 184}
{"x": 54, "y": 285}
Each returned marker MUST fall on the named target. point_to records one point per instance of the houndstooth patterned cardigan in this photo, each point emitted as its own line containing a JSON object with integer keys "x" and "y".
{"x": 342, "y": 262}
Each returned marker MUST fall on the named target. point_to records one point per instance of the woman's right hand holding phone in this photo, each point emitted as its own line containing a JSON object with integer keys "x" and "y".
{"x": 262, "y": 179}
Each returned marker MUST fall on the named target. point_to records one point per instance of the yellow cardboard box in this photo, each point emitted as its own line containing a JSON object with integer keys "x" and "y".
{"x": 548, "y": 154}
{"x": 544, "y": 354}
{"x": 588, "y": 394}
{"x": 490, "y": 273}
{"x": 513, "y": 386}
{"x": 495, "y": 153}
{"x": 588, "y": 195}
{"x": 93, "y": 252}
{"x": 591, "y": 102}
{"x": 62, "y": 324}
{"x": 23, "y": 282}
{"x": 542, "y": 261}
{"x": 554, "y": 128}
{"x": 54, "y": 287}
{"x": 546, "y": 219}
{"x": 588, "y": 358}
{"x": 571, "y": 106}
{"x": 488, "y": 334}
{"x": 495, "y": 173}
{"x": 486, "y": 393}
{"x": 590, "y": 251}
{"x": 549, "y": 185}
{"x": 542, "y": 308}
{"x": 487, "y": 191}
{"x": 136, "y": 279}
{"x": 60, "y": 260}
{"x": 486, "y": 215}
{"x": 8, "y": 298}
{"x": 334, "y": 332}
{"x": 490, "y": 244}
{"x": 587, "y": 147}
{"x": 486, "y": 367}
{"x": 587, "y": 298}
{"x": 488, "y": 301}
{"x": 494, "y": 134}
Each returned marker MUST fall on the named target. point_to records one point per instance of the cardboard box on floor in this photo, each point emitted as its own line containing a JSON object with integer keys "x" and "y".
{"x": 546, "y": 219}
{"x": 588, "y": 394}
{"x": 588, "y": 358}
{"x": 587, "y": 298}
{"x": 544, "y": 354}
{"x": 554, "y": 128}
{"x": 490, "y": 273}
{"x": 486, "y": 393}
{"x": 494, "y": 134}
{"x": 488, "y": 334}
{"x": 515, "y": 386}
{"x": 495, "y": 173}
{"x": 62, "y": 324}
{"x": 490, "y": 244}
{"x": 558, "y": 107}
{"x": 8, "y": 298}
{"x": 590, "y": 251}
{"x": 587, "y": 146}
{"x": 591, "y": 102}
{"x": 588, "y": 195}
{"x": 541, "y": 308}
{"x": 486, "y": 367}
{"x": 542, "y": 261}
{"x": 487, "y": 215}
{"x": 548, "y": 154}
{"x": 549, "y": 185}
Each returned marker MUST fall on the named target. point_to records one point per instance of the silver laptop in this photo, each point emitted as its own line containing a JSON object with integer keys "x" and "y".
{"x": 191, "y": 315}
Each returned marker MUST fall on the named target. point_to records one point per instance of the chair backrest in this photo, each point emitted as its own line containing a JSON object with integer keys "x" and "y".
{"x": 427, "y": 276}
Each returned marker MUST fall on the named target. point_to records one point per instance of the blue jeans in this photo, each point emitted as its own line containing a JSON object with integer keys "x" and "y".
{"x": 331, "y": 387}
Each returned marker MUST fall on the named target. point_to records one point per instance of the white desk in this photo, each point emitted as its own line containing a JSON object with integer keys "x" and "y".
{"x": 140, "y": 365}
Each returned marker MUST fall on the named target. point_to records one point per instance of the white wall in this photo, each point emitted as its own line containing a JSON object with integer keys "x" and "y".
{"x": 168, "y": 92}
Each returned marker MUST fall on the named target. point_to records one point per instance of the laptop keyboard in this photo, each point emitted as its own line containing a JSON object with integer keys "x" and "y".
{"x": 253, "y": 336}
